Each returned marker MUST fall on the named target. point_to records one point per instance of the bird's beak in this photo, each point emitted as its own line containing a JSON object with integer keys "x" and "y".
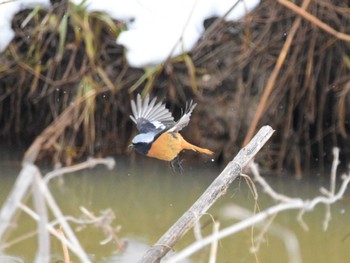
{"x": 130, "y": 146}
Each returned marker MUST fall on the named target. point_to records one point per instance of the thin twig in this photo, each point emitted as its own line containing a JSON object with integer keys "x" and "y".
{"x": 49, "y": 136}
{"x": 49, "y": 227}
{"x": 335, "y": 164}
{"x": 258, "y": 240}
{"x": 272, "y": 79}
{"x": 104, "y": 222}
{"x": 64, "y": 247}
{"x": 197, "y": 230}
{"x": 18, "y": 240}
{"x": 314, "y": 20}
{"x": 266, "y": 187}
{"x": 90, "y": 163}
{"x": 78, "y": 250}
{"x": 289, "y": 239}
{"x": 331, "y": 192}
{"x": 214, "y": 244}
{"x": 212, "y": 30}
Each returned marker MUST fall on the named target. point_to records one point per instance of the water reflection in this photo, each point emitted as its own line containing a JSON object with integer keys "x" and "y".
{"x": 147, "y": 198}
{"x": 134, "y": 251}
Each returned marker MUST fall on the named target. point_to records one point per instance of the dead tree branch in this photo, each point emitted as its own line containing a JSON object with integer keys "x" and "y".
{"x": 290, "y": 204}
{"x": 43, "y": 203}
{"x": 208, "y": 198}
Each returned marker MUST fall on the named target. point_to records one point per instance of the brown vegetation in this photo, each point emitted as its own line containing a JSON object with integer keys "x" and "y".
{"x": 64, "y": 79}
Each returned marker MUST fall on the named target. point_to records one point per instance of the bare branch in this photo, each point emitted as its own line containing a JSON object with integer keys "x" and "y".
{"x": 286, "y": 203}
{"x": 294, "y": 204}
{"x": 266, "y": 187}
{"x": 49, "y": 227}
{"x": 16, "y": 195}
{"x": 332, "y": 183}
{"x": 104, "y": 222}
{"x": 78, "y": 250}
{"x": 208, "y": 198}
{"x": 288, "y": 237}
{"x": 43, "y": 253}
{"x": 30, "y": 175}
{"x": 90, "y": 163}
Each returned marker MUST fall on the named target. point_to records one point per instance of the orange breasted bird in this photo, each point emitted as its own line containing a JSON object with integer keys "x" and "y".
{"x": 159, "y": 135}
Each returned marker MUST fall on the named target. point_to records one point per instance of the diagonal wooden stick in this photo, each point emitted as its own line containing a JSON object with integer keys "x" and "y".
{"x": 217, "y": 189}
{"x": 314, "y": 20}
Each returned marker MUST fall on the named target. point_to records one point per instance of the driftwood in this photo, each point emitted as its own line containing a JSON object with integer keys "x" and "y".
{"x": 217, "y": 189}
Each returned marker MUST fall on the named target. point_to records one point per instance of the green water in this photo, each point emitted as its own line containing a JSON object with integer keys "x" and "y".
{"x": 147, "y": 198}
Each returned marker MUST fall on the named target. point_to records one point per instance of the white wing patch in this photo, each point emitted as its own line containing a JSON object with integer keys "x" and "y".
{"x": 143, "y": 138}
{"x": 158, "y": 125}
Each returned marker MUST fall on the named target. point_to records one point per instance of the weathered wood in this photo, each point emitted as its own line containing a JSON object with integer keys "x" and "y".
{"x": 208, "y": 198}
{"x": 17, "y": 194}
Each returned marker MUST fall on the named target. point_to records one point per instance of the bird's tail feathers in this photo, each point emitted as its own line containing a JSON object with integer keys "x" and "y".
{"x": 189, "y": 146}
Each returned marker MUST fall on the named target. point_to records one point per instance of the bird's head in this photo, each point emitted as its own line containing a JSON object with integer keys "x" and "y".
{"x": 142, "y": 142}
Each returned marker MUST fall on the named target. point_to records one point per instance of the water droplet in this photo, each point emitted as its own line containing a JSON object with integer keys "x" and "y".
{"x": 206, "y": 77}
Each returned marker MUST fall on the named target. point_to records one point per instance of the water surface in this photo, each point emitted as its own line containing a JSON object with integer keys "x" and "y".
{"x": 147, "y": 198}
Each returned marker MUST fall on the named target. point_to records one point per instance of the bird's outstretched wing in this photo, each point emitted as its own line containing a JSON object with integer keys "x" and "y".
{"x": 149, "y": 116}
{"x": 185, "y": 119}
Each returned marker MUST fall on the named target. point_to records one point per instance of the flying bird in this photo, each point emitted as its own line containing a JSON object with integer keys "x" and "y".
{"x": 159, "y": 135}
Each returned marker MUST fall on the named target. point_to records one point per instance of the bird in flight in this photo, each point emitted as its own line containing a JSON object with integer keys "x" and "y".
{"x": 159, "y": 135}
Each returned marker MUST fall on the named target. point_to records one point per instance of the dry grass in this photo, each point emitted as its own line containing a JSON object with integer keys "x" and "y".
{"x": 65, "y": 59}
{"x": 306, "y": 95}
